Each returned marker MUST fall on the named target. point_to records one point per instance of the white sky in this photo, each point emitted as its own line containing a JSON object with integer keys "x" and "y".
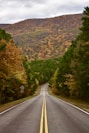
{"x": 12, "y": 11}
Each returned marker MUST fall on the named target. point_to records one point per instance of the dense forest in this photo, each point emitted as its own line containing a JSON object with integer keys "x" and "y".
{"x": 12, "y": 72}
{"x": 71, "y": 78}
{"x": 67, "y": 75}
{"x": 17, "y": 72}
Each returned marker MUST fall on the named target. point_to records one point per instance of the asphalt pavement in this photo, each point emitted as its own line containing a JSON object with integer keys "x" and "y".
{"x": 29, "y": 116}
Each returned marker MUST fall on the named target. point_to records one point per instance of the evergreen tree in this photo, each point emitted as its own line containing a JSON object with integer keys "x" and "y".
{"x": 80, "y": 62}
{"x": 85, "y": 28}
{"x": 73, "y": 75}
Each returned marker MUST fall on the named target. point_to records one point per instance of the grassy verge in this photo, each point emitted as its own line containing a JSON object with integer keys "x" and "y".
{"x": 13, "y": 103}
{"x": 79, "y": 103}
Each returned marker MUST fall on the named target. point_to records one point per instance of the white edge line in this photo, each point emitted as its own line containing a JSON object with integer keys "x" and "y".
{"x": 73, "y": 105}
{"x": 78, "y": 108}
{"x": 11, "y": 108}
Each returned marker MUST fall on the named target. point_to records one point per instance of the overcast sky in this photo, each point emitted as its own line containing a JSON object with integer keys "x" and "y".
{"x": 12, "y": 11}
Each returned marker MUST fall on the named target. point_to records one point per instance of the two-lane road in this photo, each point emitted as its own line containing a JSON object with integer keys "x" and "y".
{"x": 25, "y": 118}
{"x": 64, "y": 118}
{"x": 29, "y": 116}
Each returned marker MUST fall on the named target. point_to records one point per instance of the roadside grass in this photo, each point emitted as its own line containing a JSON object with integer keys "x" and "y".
{"x": 77, "y": 102}
{"x": 8, "y": 105}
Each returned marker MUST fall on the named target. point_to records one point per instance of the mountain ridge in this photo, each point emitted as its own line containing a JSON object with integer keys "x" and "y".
{"x": 47, "y": 37}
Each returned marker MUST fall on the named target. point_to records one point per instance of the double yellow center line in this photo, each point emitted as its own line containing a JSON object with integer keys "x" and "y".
{"x": 43, "y": 122}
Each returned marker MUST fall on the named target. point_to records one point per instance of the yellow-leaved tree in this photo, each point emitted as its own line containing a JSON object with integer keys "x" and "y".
{"x": 12, "y": 72}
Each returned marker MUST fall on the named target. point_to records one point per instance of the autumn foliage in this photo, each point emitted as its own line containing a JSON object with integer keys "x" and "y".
{"x": 68, "y": 74}
{"x": 12, "y": 72}
{"x": 45, "y": 38}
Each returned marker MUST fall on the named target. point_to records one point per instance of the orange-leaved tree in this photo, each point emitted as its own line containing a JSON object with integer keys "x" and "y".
{"x": 12, "y": 73}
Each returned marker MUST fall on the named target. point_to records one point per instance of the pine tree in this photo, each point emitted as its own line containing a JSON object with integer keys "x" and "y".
{"x": 85, "y": 28}
{"x": 80, "y": 62}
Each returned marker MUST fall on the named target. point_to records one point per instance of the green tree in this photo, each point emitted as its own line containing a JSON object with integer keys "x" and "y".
{"x": 85, "y": 25}
{"x": 80, "y": 62}
{"x": 52, "y": 81}
{"x": 73, "y": 75}
{"x": 5, "y": 36}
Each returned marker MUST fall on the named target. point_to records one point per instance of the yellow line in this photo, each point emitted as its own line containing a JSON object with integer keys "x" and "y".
{"x": 41, "y": 122}
{"x": 46, "y": 123}
{"x": 44, "y": 116}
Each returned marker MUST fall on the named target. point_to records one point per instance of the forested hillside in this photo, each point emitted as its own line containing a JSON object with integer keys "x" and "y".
{"x": 67, "y": 70}
{"x": 45, "y": 38}
{"x": 71, "y": 78}
{"x": 17, "y": 72}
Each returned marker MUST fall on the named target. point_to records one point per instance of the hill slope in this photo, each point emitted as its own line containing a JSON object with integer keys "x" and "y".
{"x": 45, "y": 38}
